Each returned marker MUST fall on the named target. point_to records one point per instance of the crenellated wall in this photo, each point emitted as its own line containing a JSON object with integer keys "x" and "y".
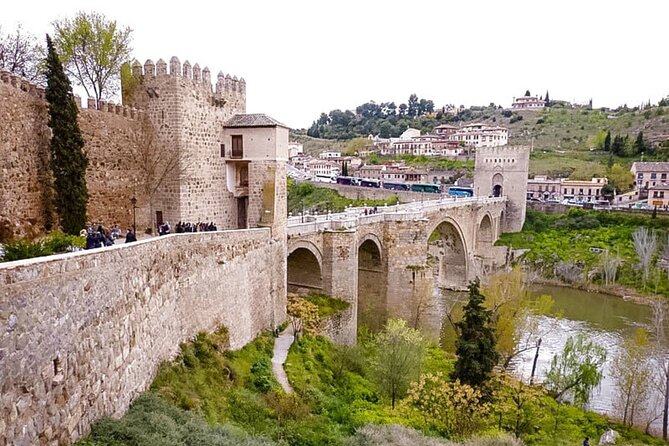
{"x": 82, "y": 334}
{"x": 175, "y": 107}
{"x": 110, "y": 136}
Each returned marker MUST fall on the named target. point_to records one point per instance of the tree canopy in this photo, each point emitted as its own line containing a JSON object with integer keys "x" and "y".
{"x": 92, "y": 49}
{"x": 21, "y": 54}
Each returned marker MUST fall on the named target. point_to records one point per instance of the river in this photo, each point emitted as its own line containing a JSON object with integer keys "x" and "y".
{"x": 607, "y": 320}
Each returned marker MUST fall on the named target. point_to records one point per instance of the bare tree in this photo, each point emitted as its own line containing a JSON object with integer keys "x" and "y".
{"x": 21, "y": 54}
{"x": 632, "y": 374}
{"x": 157, "y": 163}
{"x": 661, "y": 357}
{"x": 645, "y": 245}
{"x": 610, "y": 264}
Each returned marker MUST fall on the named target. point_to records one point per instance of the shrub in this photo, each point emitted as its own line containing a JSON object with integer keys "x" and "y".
{"x": 23, "y": 249}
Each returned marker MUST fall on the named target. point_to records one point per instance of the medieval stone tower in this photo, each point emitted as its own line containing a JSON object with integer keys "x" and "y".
{"x": 228, "y": 164}
{"x": 502, "y": 171}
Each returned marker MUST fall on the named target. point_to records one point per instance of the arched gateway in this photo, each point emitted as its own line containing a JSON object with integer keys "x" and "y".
{"x": 372, "y": 305}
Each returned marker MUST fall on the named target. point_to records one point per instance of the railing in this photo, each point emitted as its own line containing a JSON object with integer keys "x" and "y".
{"x": 353, "y": 217}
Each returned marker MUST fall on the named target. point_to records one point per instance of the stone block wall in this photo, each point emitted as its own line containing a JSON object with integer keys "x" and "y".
{"x": 26, "y": 184}
{"x": 82, "y": 334}
{"x": 371, "y": 193}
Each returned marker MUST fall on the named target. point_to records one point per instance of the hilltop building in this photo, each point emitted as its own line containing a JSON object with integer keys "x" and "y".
{"x": 528, "y": 103}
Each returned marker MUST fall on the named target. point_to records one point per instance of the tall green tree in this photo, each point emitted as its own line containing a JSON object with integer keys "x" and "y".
{"x": 639, "y": 144}
{"x": 547, "y": 99}
{"x": 68, "y": 161}
{"x": 476, "y": 343}
{"x": 92, "y": 49}
{"x": 401, "y": 351}
{"x": 607, "y": 141}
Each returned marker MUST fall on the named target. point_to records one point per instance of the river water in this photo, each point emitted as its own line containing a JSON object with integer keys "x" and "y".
{"x": 606, "y": 320}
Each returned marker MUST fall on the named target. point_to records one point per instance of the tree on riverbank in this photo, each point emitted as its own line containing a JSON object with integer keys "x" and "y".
{"x": 632, "y": 376}
{"x": 645, "y": 245}
{"x": 475, "y": 346}
{"x": 576, "y": 371}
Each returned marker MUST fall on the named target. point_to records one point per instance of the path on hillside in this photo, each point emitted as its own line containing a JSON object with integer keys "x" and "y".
{"x": 281, "y": 346}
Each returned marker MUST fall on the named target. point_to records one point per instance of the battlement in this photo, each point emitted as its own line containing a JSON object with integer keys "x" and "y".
{"x": 110, "y": 107}
{"x": 502, "y": 149}
{"x": 225, "y": 84}
{"x": 22, "y": 84}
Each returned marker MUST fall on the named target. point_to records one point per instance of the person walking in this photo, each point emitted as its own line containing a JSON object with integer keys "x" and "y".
{"x": 586, "y": 442}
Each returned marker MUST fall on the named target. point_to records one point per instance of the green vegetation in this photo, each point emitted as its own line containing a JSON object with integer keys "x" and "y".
{"x": 327, "y": 306}
{"x": 53, "y": 243}
{"x": 307, "y": 197}
{"x": 578, "y": 247}
{"x": 212, "y": 396}
{"x": 68, "y": 161}
{"x": 476, "y": 343}
{"x": 93, "y": 49}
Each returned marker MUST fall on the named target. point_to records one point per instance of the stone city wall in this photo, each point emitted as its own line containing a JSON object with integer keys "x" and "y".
{"x": 110, "y": 136}
{"x": 372, "y": 193}
{"x": 82, "y": 334}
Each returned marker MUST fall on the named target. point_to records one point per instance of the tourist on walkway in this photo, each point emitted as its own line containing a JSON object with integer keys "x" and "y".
{"x": 130, "y": 236}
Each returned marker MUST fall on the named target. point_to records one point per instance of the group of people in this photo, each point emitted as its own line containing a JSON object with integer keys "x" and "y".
{"x": 371, "y": 211}
{"x": 99, "y": 237}
{"x": 195, "y": 227}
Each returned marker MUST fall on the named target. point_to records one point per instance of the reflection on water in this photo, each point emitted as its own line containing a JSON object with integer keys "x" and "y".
{"x": 607, "y": 320}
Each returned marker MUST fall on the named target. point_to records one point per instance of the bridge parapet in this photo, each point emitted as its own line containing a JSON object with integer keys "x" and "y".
{"x": 354, "y": 217}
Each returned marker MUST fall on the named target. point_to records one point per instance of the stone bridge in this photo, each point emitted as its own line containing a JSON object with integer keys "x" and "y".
{"x": 386, "y": 263}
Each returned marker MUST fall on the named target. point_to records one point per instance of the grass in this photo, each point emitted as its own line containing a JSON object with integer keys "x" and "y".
{"x": 327, "y": 306}
{"x": 309, "y": 197}
{"x": 569, "y": 238}
{"x": 211, "y": 396}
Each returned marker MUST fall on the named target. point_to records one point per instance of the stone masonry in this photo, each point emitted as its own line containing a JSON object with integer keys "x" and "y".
{"x": 82, "y": 334}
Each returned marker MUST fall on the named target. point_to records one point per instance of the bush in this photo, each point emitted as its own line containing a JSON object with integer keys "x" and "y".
{"x": 23, "y": 249}
{"x": 152, "y": 421}
{"x": 515, "y": 118}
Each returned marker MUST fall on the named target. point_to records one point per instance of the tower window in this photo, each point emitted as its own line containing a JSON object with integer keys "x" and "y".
{"x": 237, "y": 146}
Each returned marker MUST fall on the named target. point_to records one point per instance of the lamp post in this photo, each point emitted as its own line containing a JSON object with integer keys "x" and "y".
{"x": 133, "y": 201}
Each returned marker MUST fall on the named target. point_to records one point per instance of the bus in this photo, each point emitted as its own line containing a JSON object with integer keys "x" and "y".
{"x": 396, "y": 186}
{"x": 325, "y": 179}
{"x": 422, "y": 187}
{"x": 367, "y": 182}
{"x": 460, "y": 191}
{"x": 349, "y": 181}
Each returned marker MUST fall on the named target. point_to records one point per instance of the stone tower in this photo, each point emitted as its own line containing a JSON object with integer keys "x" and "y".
{"x": 502, "y": 171}
{"x": 188, "y": 118}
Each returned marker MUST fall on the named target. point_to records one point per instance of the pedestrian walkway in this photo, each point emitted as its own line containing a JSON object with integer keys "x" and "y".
{"x": 281, "y": 346}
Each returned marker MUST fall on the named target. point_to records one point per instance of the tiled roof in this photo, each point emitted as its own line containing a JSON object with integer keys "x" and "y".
{"x": 649, "y": 165}
{"x": 253, "y": 120}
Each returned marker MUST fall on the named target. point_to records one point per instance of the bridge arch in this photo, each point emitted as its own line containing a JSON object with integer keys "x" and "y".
{"x": 305, "y": 266}
{"x": 485, "y": 235}
{"x": 372, "y": 278}
{"x": 448, "y": 245}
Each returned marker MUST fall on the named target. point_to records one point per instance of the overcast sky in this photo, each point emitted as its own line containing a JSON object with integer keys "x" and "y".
{"x": 302, "y": 58}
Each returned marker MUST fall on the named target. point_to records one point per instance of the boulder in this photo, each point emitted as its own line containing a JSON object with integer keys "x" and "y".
{"x": 609, "y": 437}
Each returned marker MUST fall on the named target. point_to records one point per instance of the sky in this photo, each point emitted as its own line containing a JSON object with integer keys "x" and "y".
{"x": 301, "y": 58}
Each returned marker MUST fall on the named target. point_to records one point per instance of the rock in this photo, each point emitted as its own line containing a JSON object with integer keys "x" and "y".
{"x": 609, "y": 437}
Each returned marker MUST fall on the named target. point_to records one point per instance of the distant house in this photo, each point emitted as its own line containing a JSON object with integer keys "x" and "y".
{"x": 649, "y": 174}
{"x": 584, "y": 190}
{"x": 295, "y": 149}
{"x": 371, "y": 171}
{"x": 544, "y": 188}
{"x": 528, "y": 103}
{"x": 329, "y": 155}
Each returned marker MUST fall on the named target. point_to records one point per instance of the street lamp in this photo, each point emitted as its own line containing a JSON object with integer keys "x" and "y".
{"x": 133, "y": 201}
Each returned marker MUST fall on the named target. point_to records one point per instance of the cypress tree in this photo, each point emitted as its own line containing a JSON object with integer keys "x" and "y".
{"x": 68, "y": 161}
{"x": 475, "y": 346}
{"x": 607, "y": 141}
{"x": 547, "y": 99}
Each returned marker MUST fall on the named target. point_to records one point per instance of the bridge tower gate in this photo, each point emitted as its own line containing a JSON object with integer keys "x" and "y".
{"x": 502, "y": 171}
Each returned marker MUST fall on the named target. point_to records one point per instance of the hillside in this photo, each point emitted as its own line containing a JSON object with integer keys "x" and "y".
{"x": 563, "y": 139}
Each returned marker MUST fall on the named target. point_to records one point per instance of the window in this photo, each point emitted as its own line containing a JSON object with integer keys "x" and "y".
{"x": 653, "y": 176}
{"x": 640, "y": 175}
{"x": 222, "y": 150}
{"x": 237, "y": 146}
{"x": 662, "y": 194}
{"x": 663, "y": 176}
